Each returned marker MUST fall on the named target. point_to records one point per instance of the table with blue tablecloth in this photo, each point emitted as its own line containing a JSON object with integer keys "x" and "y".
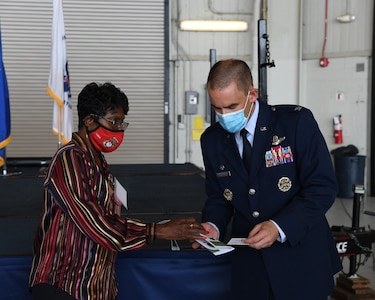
{"x": 155, "y": 192}
{"x": 142, "y": 274}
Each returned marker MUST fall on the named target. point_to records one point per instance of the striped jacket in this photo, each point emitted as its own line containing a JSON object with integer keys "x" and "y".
{"x": 80, "y": 230}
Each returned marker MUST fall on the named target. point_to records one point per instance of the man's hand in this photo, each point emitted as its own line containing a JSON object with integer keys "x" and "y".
{"x": 263, "y": 235}
{"x": 179, "y": 229}
{"x": 209, "y": 230}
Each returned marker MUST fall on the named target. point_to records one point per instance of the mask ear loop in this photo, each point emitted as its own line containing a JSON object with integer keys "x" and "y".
{"x": 251, "y": 107}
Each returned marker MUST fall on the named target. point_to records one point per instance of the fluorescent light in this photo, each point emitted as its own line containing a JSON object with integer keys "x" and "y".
{"x": 214, "y": 25}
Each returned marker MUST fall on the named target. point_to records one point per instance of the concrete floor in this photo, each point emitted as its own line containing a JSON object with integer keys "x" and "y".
{"x": 340, "y": 214}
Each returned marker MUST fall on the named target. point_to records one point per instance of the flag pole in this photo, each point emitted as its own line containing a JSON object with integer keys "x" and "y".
{"x": 59, "y": 124}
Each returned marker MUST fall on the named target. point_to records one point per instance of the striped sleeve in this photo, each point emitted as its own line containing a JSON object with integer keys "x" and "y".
{"x": 82, "y": 193}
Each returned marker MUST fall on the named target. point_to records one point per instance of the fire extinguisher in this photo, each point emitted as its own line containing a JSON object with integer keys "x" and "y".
{"x": 337, "y": 129}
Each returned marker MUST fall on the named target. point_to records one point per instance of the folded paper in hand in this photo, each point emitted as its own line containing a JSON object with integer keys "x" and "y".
{"x": 237, "y": 242}
{"x": 214, "y": 246}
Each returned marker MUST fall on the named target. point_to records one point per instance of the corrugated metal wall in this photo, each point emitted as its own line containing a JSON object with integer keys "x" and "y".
{"x": 343, "y": 39}
{"x": 117, "y": 41}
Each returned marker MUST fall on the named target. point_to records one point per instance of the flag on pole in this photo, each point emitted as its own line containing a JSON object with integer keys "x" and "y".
{"x": 5, "y": 136}
{"x": 58, "y": 82}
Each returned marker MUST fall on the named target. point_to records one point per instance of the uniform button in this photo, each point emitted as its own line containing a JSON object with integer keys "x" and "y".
{"x": 252, "y": 191}
{"x": 255, "y": 214}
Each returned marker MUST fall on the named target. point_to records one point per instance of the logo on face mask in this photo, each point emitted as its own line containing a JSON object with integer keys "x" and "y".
{"x": 105, "y": 140}
{"x": 234, "y": 121}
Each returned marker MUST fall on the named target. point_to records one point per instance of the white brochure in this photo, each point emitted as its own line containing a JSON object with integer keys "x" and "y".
{"x": 214, "y": 246}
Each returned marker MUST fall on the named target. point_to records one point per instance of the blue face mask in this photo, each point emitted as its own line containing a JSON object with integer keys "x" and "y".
{"x": 234, "y": 121}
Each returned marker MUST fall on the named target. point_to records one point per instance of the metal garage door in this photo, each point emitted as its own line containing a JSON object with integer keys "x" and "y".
{"x": 118, "y": 41}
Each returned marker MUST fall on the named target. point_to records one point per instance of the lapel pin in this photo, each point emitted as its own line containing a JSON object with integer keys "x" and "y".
{"x": 276, "y": 140}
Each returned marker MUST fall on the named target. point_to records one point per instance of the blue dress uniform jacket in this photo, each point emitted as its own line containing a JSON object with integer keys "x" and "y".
{"x": 292, "y": 182}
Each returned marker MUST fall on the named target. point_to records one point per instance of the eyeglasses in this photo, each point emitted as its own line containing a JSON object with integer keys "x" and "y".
{"x": 119, "y": 124}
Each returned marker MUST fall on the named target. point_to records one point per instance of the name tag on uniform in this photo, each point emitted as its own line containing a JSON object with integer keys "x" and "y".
{"x": 223, "y": 174}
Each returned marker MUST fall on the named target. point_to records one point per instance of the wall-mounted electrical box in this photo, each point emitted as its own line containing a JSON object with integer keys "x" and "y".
{"x": 191, "y": 102}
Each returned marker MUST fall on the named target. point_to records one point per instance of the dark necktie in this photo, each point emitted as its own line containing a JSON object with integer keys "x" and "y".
{"x": 246, "y": 154}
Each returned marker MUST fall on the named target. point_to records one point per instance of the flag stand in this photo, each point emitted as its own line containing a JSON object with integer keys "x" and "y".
{"x": 5, "y": 172}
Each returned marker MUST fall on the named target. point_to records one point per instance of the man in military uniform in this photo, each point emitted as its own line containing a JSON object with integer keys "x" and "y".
{"x": 276, "y": 186}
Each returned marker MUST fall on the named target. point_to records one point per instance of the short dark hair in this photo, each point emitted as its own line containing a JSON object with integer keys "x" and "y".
{"x": 224, "y": 72}
{"x": 99, "y": 99}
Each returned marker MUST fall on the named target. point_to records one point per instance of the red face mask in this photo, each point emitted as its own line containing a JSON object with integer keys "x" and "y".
{"x": 106, "y": 140}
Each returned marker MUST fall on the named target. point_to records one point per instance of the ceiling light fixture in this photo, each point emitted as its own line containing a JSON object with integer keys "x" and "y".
{"x": 213, "y": 25}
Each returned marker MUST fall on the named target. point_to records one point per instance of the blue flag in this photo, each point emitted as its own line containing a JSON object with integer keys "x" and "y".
{"x": 4, "y": 109}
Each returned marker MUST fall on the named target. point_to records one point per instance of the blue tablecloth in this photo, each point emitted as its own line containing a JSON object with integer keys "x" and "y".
{"x": 142, "y": 274}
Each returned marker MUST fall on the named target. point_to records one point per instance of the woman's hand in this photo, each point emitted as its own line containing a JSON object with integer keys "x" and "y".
{"x": 179, "y": 229}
